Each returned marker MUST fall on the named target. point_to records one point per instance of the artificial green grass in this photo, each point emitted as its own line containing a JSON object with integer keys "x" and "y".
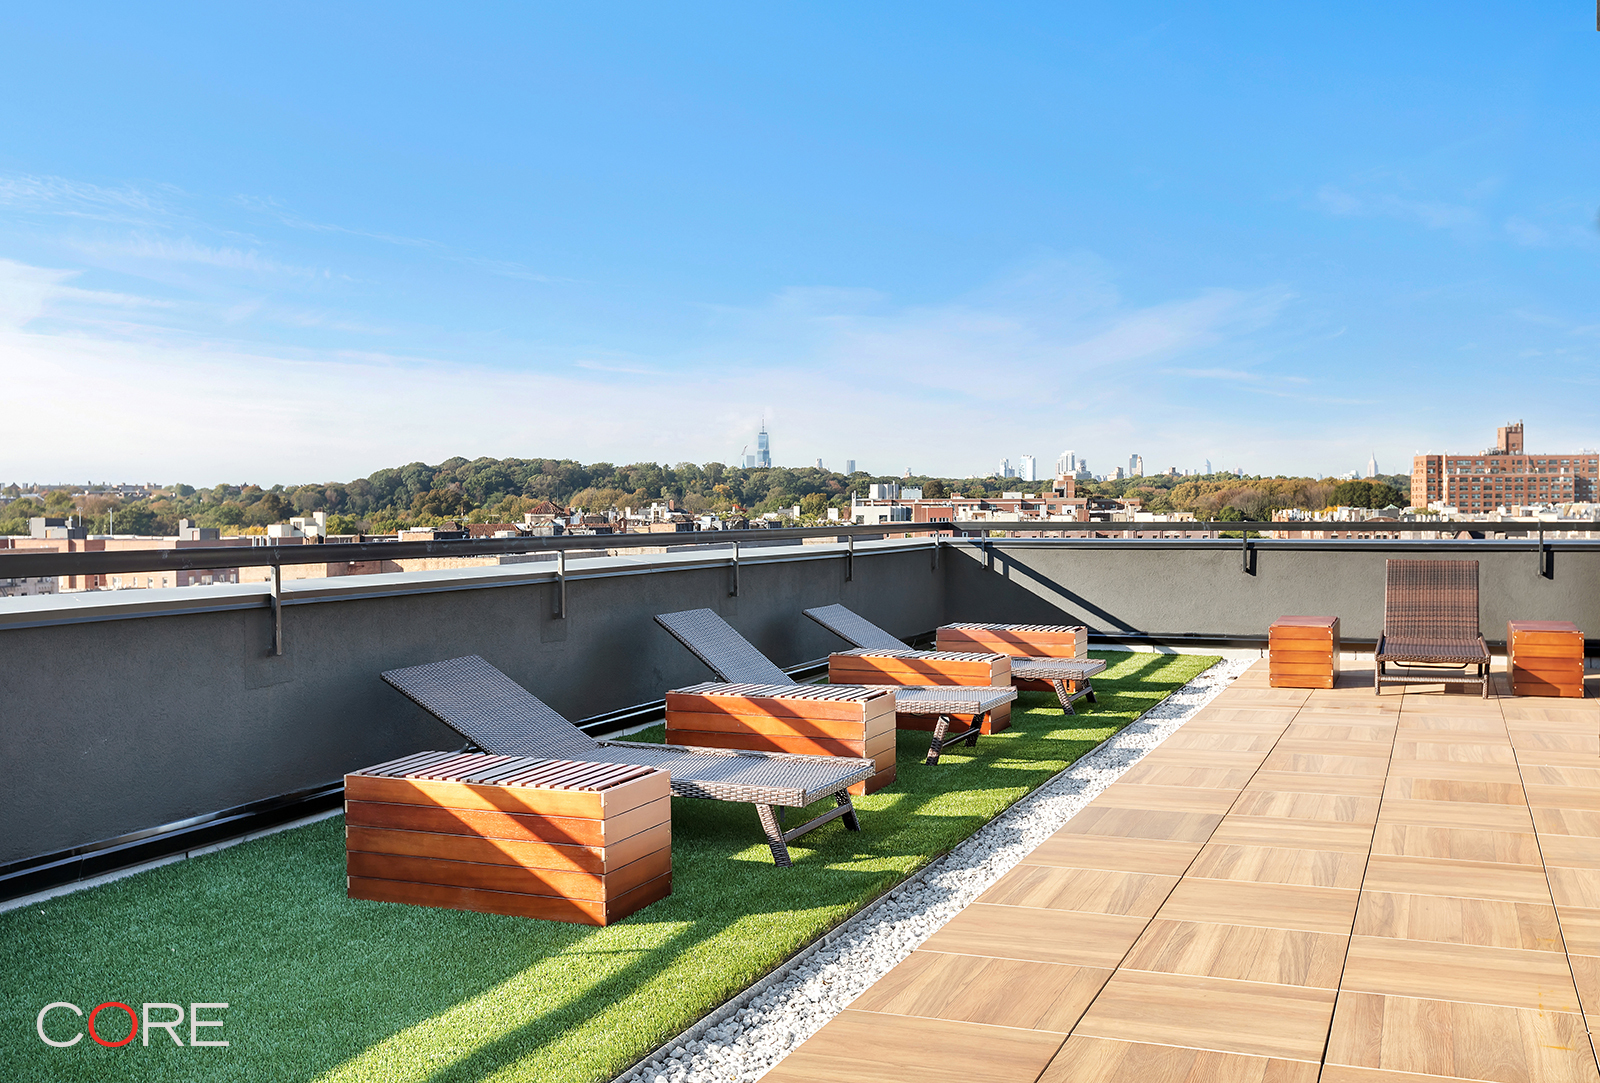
{"x": 321, "y": 987}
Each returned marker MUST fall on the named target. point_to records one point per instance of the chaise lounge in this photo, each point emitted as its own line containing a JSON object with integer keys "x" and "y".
{"x": 496, "y": 714}
{"x": 1430, "y": 619}
{"x": 1067, "y": 677}
{"x": 736, "y": 662}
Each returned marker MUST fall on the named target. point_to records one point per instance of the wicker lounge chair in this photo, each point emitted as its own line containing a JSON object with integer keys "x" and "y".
{"x": 1430, "y": 618}
{"x": 498, "y": 715}
{"x": 735, "y": 660}
{"x": 1067, "y": 677}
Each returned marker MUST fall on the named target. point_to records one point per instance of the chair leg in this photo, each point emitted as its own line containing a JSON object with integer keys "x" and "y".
{"x": 851, "y": 822}
{"x": 976, "y": 728}
{"x": 1088, "y": 692}
{"x": 769, "y": 827}
{"x": 1063, "y": 695}
{"x": 1377, "y": 676}
{"x": 940, "y": 728}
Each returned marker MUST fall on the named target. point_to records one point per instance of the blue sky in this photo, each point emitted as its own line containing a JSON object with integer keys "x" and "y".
{"x": 289, "y": 243}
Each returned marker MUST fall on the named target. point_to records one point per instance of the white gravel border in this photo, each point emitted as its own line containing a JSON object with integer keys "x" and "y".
{"x": 744, "y": 1038}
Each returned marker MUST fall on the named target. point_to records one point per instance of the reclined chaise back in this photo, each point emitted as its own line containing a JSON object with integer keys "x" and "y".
{"x": 496, "y": 714}
{"x": 1067, "y": 677}
{"x": 1430, "y": 618}
{"x": 738, "y": 663}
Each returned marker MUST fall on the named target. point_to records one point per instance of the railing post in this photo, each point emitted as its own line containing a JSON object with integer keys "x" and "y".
{"x": 561, "y": 584}
{"x": 1244, "y": 553}
{"x": 850, "y": 557}
{"x": 935, "y": 551}
{"x": 1544, "y": 562}
{"x": 276, "y": 601}
{"x": 734, "y": 593}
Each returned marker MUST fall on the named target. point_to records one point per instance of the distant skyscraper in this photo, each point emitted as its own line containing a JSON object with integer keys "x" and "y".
{"x": 763, "y": 449}
{"x": 1208, "y": 466}
{"x": 1136, "y": 466}
{"x": 1372, "y": 466}
{"x": 1028, "y": 470}
{"x": 1067, "y": 465}
{"x": 849, "y": 466}
{"x": 1006, "y": 469}
{"x": 749, "y": 462}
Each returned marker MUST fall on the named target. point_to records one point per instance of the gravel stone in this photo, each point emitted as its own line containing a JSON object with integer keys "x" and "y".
{"x": 743, "y": 1039}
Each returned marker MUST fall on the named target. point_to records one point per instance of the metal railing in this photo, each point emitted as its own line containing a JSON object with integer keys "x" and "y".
{"x": 24, "y": 563}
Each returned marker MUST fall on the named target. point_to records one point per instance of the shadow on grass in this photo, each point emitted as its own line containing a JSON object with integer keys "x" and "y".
{"x": 327, "y": 988}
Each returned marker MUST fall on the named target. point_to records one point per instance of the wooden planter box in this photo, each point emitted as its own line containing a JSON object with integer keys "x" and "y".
{"x": 908, "y": 667}
{"x": 1545, "y": 658}
{"x": 580, "y": 842}
{"x": 813, "y": 719}
{"x": 1017, "y": 640}
{"x": 1303, "y": 652}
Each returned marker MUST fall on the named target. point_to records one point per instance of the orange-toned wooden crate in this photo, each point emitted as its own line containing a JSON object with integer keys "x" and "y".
{"x": 1545, "y": 658}
{"x": 869, "y": 666}
{"x": 1303, "y": 652}
{"x": 579, "y": 842}
{"x": 1017, "y": 640}
{"x": 813, "y": 719}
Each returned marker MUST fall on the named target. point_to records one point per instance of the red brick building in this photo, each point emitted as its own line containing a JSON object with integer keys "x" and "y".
{"x": 1504, "y": 475}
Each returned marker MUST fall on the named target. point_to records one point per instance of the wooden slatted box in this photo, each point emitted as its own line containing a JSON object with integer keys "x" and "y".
{"x": 816, "y": 720}
{"x": 566, "y": 841}
{"x": 1017, "y": 640}
{"x": 908, "y": 667}
{"x": 1303, "y": 652}
{"x": 1545, "y": 658}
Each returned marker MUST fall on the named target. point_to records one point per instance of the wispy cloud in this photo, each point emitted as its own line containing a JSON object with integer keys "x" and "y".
{"x": 1434, "y": 214}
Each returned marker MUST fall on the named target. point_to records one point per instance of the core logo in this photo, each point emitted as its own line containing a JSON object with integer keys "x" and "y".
{"x": 170, "y": 1017}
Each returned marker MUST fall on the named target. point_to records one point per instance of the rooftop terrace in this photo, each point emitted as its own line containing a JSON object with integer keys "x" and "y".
{"x": 142, "y": 726}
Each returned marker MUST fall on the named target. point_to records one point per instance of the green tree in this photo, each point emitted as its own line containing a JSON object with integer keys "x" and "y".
{"x": 935, "y": 490}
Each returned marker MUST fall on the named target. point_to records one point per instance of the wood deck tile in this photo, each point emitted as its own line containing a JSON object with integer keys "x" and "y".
{"x": 1586, "y": 777}
{"x": 1375, "y": 765}
{"x": 1484, "y": 726}
{"x": 1540, "y": 795}
{"x": 1459, "y": 1040}
{"x": 1231, "y": 779}
{"x": 976, "y": 989}
{"x": 869, "y": 1047}
{"x": 1556, "y": 758}
{"x": 1295, "y": 805}
{"x": 1436, "y": 789}
{"x": 1279, "y": 865}
{"x": 1101, "y": 1060}
{"x": 1199, "y": 757}
{"x": 1321, "y": 729}
{"x": 1567, "y": 821}
{"x": 1252, "y": 1018}
{"x": 1528, "y": 710}
{"x": 1461, "y": 844}
{"x": 1306, "y": 782}
{"x": 1489, "y": 922}
{"x": 1570, "y": 851}
{"x": 1071, "y": 937}
{"x": 1296, "y": 739}
{"x": 1346, "y": 838}
{"x": 1273, "y": 906}
{"x": 1580, "y": 928}
{"x": 1242, "y": 952}
{"x": 1167, "y": 798}
{"x": 1456, "y": 814}
{"x": 1575, "y": 887}
{"x": 1467, "y": 879}
{"x": 1235, "y": 742}
{"x": 1093, "y": 890}
{"x": 1143, "y": 824}
{"x": 1110, "y": 852}
{"x": 1215, "y": 717}
{"x": 1455, "y": 771}
{"x": 1512, "y": 977}
{"x": 1586, "y": 975}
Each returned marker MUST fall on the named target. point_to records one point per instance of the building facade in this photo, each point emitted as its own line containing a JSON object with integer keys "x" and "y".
{"x": 1504, "y": 475}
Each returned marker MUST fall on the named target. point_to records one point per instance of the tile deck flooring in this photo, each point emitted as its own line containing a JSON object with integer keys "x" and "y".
{"x": 1297, "y": 886}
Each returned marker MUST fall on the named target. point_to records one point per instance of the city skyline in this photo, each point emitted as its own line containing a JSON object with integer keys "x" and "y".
{"x": 632, "y": 239}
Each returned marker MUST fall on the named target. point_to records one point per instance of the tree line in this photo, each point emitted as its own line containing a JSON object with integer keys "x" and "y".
{"x": 501, "y": 490}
